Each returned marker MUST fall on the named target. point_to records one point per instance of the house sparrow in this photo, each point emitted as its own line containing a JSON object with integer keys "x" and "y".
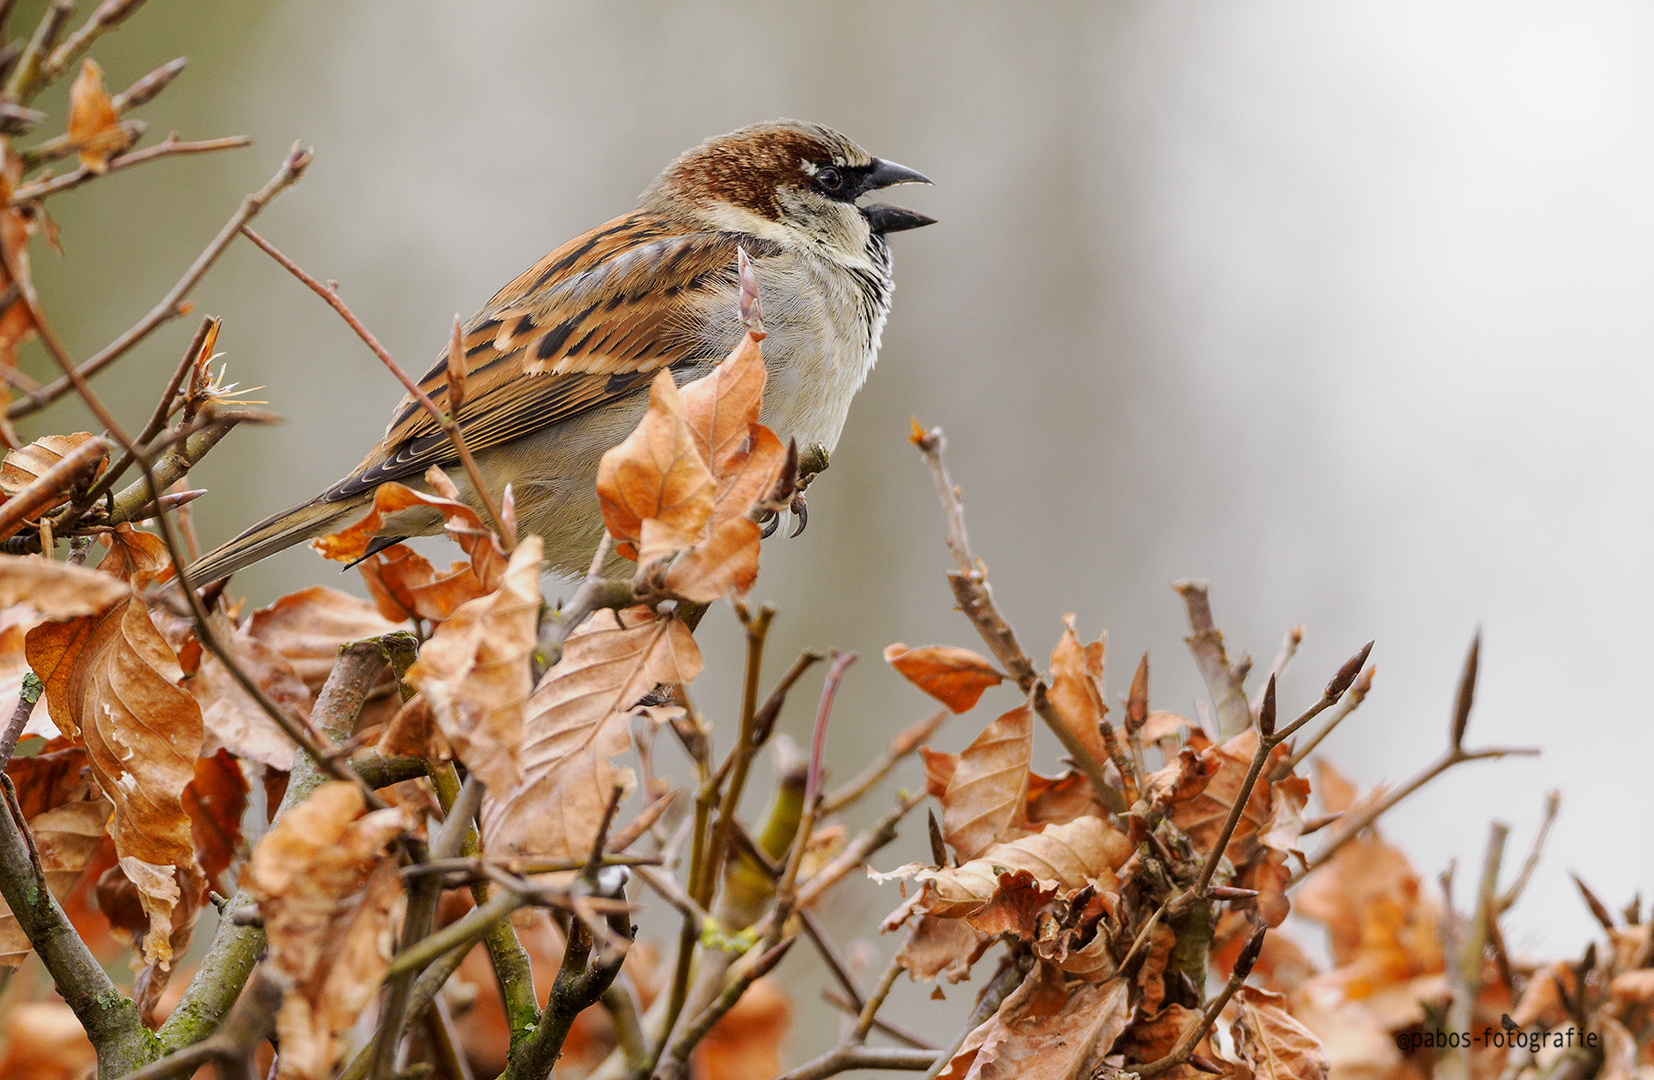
{"x": 560, "y": 360}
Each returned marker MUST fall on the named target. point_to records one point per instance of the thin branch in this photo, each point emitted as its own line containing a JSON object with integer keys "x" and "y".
{"x": 895, "y": 1031}
{"x": 26, "y": 78}
{"x": 171, "y": 146}
{"x": 905, "y": 743}
{"x": 674, "y": 1064}
{"x": 1225, "y": 681}
{"x": 1009, "y": 975}
{"x": 1354, "y": 822}
{"x": 1184, "y": 1048}
{"x": 1290, "y": 641}
{"x": 1553, "y": 803}
{"x": 1352, "y": 701}
{"x": 969, "y": 582}
{"x": 846, "y": 1058}
{"x": 45, "y": 489}
{"x": 110, "y": 1018}
{"x": 292, "y": 167}
{"x": 104, "y": 18}
{"x": 251, "y": 1022}
{"x": 1464, "y": 970}
{"x": 705, "y": 878}
{"x": 449, "y": 425}
{"x": 28, "y": 696}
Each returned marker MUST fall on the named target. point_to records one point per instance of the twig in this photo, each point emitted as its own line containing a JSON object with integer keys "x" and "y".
{"x": 104, "y": 18}
{"x": 786, "y": 889}
{"x": 704, "y": 878}
{"x": 667, "y": 888}
{"x": 1553, "y": 803}
{"x": 1225, "y": 681}
{"x": 1290, "y": 641}
{"x": 1184, "y": 1048}
{"x": 1268, "y": 739}
{"x": 474, "y": 866}
{"x": 1355, "y": 821}
{"x": 450, "y": 426}
{"x": 875, "y": 1000}
{"x": 909, "y": 740}
{"x": 26, "y": 80}
{"x": 171, "y": 146}
{"x": 1464, "y": 970}
{"x": 292, "y": 167}
{"x": 1352, "y": 701}
{"x": 675, "y": 1062}
{"x": 40, "y": 492}
{"x": 251, "y": 1022}
{"x": 835, "y": 964}
{"x": 895, "y": 1031}
{"x": 27, "y": 697}
{"x": 969, "y": 582}
{"x": 846, "y": 1058}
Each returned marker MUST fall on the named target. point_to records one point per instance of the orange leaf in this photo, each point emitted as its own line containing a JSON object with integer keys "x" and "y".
{"x": 326, "y": 892}
{"x": 234, "y": 720}
{"x": 111, "y": 680}
{"x": 400, "y": 510}
{"x": 1077, "y": 688}
{"x": 721, "y": 407}
{"x": 306, "y": 629}
{"x": 1045, "y": 1031}
{"x": 405, "y": 585}
{"x": 725, "y": 562}
{"x": 474, "y": 670}
{"x": 656, "y": 474}
{"x": 945, "y": 948}
{"x": 25, "y": 465}
{"x": 66, "y": 814}
{"x": 94, "y": 125}
{"x": 955, "y": 677}
{"x": 577, "y": 721}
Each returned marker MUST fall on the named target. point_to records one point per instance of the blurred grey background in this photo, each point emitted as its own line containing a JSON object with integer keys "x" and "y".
{"x": 1342, "y": 307}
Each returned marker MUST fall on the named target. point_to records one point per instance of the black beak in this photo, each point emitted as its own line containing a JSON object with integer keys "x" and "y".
{"x": 882, "y": 218}
{"x": 888, "y": 219}
{"x": 888, "y": 174}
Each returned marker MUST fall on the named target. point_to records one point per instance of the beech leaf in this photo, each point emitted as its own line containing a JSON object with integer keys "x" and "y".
{"x": 58, "y": 590}
{"x": 1272, "y": 1042}
{"x": 656, "y": 474}
{"x": 985, "y": 797}
{"x": 955, "y": 677}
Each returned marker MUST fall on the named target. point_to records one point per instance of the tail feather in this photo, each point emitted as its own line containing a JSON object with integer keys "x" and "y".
{"x": 271, "y": 535}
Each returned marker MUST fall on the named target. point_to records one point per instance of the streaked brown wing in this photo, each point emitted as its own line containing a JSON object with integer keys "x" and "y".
{"x": 590, "y": 323}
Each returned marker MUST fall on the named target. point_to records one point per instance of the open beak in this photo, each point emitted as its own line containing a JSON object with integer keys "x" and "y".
{"x": 883, "y": 218}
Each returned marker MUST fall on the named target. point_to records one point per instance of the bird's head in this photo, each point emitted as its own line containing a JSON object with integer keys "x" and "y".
{"x": 790, "y": 182}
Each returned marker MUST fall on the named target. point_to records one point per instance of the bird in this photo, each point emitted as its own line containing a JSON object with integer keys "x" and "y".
{"x": 559, "y": 361}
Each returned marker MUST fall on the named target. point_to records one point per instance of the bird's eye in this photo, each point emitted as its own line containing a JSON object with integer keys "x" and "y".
{"x": 830, "y": 179}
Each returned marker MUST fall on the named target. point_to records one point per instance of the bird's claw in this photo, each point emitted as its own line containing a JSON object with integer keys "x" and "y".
{"x": 771, "y": 521}
{"x": 801, "y": 512}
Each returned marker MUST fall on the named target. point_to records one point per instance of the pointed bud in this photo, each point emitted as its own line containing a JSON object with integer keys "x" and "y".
{"x": 1249, "y": 955}
{"x": 508, "y": 515}
{"x": 1346, "y": 674}
{"x": 1225, "y": 892}
{"x": 456, "y": 369}
{"x": 1266, "y": 711}
{"x": 1137, "y": 702}
{"x": 938, "y": 850}
{"x": 1467, "y": 689}
{"x": 1206, "y": 1065}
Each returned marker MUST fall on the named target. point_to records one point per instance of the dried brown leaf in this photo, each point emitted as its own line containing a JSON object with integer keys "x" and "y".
{"x": 576, "y": 721}
{"x": 945, "y": 948}
{"x": 725, "y": 562}
{"x": 656, "y": 474}
{"x": 25, "y": 465}
{"x": 1077, "y": 688}
{"x": 1045, "y": 1031}
{"x": 306, "y": 629}
{"x": 396, "y": 506}
{"x": 111, "y": 680}
{"x": 56, "y": 589}
{"x": 327, "y": 894}
{"x": 1202, "y": 817}
{"x": 955, "y": 677}
{"x": 1272, "y": 1042}
{"x": 232, "y": 718}
{"x": 987, "y": 793}
{"x": 474, "y": 671}
{"x": 405, "y": 585}
{"x": 94, "y": 125}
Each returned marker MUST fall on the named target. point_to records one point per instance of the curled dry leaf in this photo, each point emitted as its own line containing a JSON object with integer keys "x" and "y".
{"x": 576, "y": 721}
{"x": 1077, "y": 687}
{"x": 474, "y": 671}
{"x": 945, "y": 948}
{"x": 399, "y": 510}
{"x": 1202, "y": 817}
{"x": 404, "y": 585}
{"x": 1062, "y": 860}
{"x": 94, "y": 125}
{"x": 112, "y": 682}
{"x": 1045, "y": 1031}
{"x": 721, "y": 411}
{"x": 58, "y": 590}
{"x": 657, "y": 474}
{"x": 327, "y": 894}
{"x": 66, "y": 814}
{"x": 725, "y": 562}
{"x": 955, "y": 677}
{"x": 25, "y": 465}
{"x": 306, "y": 629}
{"x": 986, "y": 793}
{"x": 1275, "y": 1045}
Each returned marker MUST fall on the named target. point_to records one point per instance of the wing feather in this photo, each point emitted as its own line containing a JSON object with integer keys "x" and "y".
{"x": 589, "y": 323}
